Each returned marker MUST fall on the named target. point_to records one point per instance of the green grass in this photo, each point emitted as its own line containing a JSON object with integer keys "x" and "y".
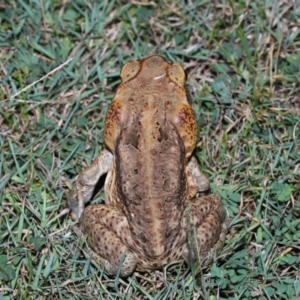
{"x": 59, "y": 68}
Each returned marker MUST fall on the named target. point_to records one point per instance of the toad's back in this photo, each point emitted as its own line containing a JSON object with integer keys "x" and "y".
{"x": 155, "y": 130}
{"x": 150, "y": 189}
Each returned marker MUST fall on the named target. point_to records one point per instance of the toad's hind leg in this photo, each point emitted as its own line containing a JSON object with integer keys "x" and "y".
{"x": 206, "y": 226}
{"x": 104, "y": 227}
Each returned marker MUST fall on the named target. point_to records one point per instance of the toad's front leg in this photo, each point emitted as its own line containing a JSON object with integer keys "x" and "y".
{"x": 197, "y": 182}
{"x": 86, "y": 181}
{"x": 200, "y": 180}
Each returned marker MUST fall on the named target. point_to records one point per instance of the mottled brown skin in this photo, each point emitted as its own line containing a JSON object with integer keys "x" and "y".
{"x": 153, "y": 213}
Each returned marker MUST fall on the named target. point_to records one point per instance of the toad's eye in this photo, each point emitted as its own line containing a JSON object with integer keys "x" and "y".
{"x": 177, "y": 74}
{"x": 129, "y": 71}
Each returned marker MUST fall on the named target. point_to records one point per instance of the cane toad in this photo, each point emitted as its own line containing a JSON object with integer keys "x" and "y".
{"x": 153, "y": 213}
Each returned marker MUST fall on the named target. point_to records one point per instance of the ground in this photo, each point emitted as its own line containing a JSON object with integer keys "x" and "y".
{"x": 59, "y": 68}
